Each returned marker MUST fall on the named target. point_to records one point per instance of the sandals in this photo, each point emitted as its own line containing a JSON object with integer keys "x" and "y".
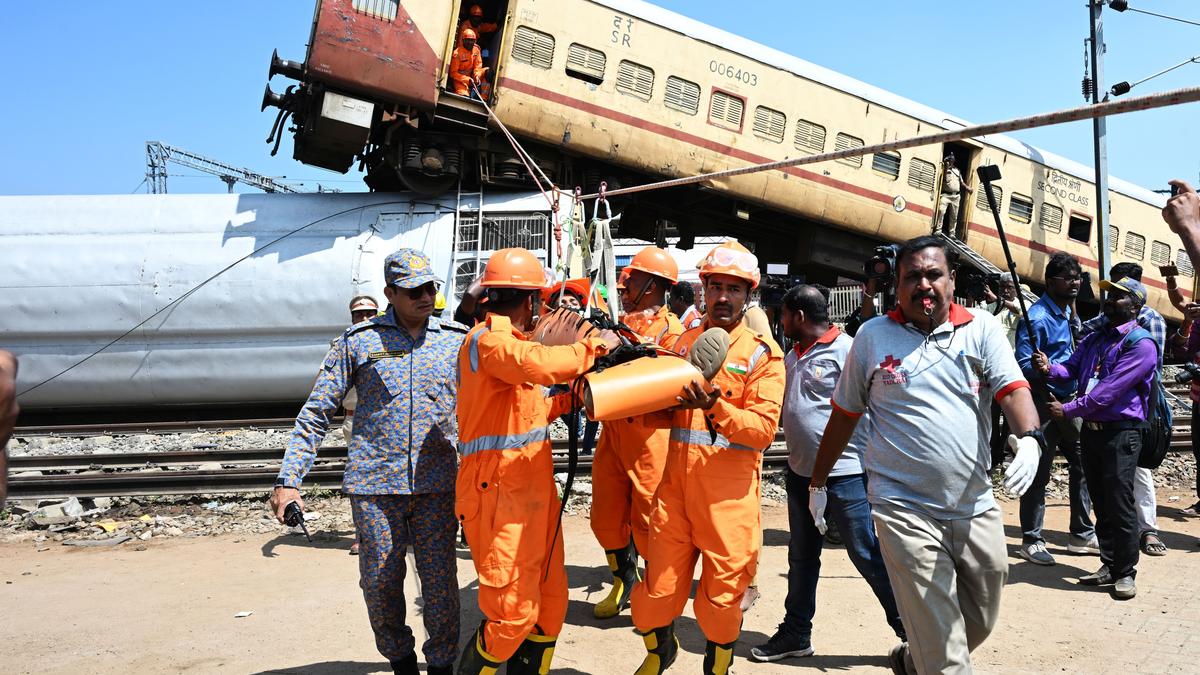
{"x": 1152, "y": 545}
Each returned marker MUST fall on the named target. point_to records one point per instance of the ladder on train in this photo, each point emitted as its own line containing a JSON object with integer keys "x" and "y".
{"x": 970, "y": 255}
{"x": 468, "y": 239}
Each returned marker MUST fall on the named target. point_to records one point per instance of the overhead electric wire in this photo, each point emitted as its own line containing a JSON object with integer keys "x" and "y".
{"x": 1161, "y": 16}
{"x": 202, "y": 284}
{"x": 1089, "y": 111}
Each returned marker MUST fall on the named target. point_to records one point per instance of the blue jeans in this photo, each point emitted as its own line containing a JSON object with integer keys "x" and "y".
{"x": 849, "y": 509}
{"x": 1033, "y": 502}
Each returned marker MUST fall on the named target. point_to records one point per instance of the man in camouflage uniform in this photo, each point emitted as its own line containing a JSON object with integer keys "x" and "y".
{"x": 402, "y": 464}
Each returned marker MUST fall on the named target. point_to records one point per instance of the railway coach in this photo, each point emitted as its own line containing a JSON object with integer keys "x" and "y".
{"x": 628, "y": 92}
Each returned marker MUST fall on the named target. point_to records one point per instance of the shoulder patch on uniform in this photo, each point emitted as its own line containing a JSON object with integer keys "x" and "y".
{"x": 358, "y": 328}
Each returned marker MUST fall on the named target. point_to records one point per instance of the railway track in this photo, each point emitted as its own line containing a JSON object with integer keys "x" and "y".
{"x": 194, "y": 472}
{"x": 167, "y": 427}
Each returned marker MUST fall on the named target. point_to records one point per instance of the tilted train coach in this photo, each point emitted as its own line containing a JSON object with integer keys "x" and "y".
{"x": 628, "y": 92}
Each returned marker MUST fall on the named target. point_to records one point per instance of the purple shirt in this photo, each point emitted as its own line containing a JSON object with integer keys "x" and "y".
{"x": 1125, "y": 375}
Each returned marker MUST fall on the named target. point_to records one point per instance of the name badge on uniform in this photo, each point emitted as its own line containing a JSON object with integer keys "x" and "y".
{"x": 388, "y": 354}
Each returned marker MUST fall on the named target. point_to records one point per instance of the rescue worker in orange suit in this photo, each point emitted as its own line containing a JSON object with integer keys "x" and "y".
{"x": 466, "y": 63}
{"x": 475, "y": 22}
{"x": 707, "y": 505}
{"x": 630, "y": 456}
{"x": 506, "y": 497}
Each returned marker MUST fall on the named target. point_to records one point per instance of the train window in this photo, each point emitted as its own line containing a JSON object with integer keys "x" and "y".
{"x": 886, "y": 163}
{"x": 921, "y": 174}
{"x": 1160, "y": 253}
{"x": 585, "y": 63}
{"x": 1050, "y": 218}
{"x": 1135, "y": 246}
{"x": 846, "y": 142}
{"x": 725, "y": 110}
{"x": 533, "y": 47}
{"x": 1113, "y": 235}
{"x": 682, "y": 95}
{"x": 809, "y": 136}
{"x": 380, "y": 9}
{"x": 1020, "y": 208}
{"x": 1079, "y": 228}
{"x": 634, "y": 79}
{"x": 981, "y": 199}
{"x": 769, "y": 124}
{"x": 1184, "y": 263}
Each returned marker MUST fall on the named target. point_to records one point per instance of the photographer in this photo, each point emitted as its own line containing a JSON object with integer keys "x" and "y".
{"x": 1050, "y": 319}
{"x": 1005, "y": 307}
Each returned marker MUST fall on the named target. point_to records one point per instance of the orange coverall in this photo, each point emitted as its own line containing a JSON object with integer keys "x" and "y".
{"x": 466, "y": 66}
{"x": 630, "y": 457}
{"x": 707, "y": 504}
{"x": 505, "y": 497}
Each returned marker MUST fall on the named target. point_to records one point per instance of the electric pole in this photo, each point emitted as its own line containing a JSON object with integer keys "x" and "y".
{"x": 1099, "y": 132}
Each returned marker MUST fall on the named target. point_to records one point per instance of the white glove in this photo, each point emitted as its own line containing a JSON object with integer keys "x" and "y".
{"x": 817, "y": 501}
{"x": 1021, "y": 471}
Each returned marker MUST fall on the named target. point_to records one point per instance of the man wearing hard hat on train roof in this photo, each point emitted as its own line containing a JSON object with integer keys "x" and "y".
{"x": 630, "y": 455}
{"x": 466, "y": 63}
{"x": 707, "y": 504}
{"x": 401, "y": 467}
{"x": 506, "y": 497}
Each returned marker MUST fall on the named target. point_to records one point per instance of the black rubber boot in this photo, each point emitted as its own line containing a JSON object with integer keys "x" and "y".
{"x": 622, "y": 562}
{"x": 406, "y": 665}
{"x": 475, "y": 660}
{"x": 533, "y": 657}
{"x": 718, "y": 658}
{"x": 662, "y": 647}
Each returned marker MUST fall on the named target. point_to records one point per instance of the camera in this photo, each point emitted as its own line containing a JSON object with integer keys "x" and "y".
{"x": 774, "y": 286}
{"x": 973, "y": 284}
{"x": 1190, "y": 372}
{"x": 882, "y": 266}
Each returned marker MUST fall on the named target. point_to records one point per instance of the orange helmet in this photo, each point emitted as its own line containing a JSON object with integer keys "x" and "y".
{"x": 733, "y": 259}
{"x": 624, "y": 276}
{"x": 514, "y": 268}
{"x": 469, "y": 34}
{"x": 475, "y": 10}
{"x": 653, "y": 260}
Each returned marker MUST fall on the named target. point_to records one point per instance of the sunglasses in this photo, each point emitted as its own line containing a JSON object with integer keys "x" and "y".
{"x": 420, "y": 291}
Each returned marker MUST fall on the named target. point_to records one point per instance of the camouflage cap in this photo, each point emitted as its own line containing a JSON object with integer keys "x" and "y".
{"x": 408, "y": 268}
{"x": 1127, "y": 286}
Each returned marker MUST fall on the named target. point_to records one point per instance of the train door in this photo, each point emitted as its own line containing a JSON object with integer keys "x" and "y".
{"x": 486, "y": 18}
{"x": 956, "y": 189}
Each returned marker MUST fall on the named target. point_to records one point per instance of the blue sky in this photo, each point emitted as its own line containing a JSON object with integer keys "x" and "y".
{"x": 102, "y": 78}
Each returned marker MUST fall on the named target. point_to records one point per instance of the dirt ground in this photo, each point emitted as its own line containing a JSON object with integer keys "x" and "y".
{"x": 171, "y": 608}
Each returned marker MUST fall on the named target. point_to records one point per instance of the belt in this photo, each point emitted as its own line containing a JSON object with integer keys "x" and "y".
{"x": 1117, "y": 425}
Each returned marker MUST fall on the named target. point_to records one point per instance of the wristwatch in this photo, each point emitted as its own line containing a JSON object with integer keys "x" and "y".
{"x": 816, "y": 488}
{"x": 1037, "y": 435}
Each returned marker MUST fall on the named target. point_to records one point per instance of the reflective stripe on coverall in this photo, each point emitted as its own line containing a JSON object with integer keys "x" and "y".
{"x": 707, "y": 504}
{"x": 466, "y": 66}
{"x": 506, "y": 497}
{"x": 629, "y": 460}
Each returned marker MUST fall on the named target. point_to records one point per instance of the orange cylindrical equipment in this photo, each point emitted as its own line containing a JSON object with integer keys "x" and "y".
{"x": 637, "y": 387}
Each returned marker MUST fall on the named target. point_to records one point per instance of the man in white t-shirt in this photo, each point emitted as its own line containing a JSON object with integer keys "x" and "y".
{"x": 927, "y": 372}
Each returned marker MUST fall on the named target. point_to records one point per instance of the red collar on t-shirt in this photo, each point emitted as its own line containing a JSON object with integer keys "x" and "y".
{"x": 959, "y": 315}
{"x": 829, "y": 336}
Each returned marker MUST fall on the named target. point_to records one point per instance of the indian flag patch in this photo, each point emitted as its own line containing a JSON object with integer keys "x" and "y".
{"x": 737, "y": 368}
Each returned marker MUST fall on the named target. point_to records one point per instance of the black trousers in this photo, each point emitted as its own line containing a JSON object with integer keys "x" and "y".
{"x": 1196, "y": 444}
{"x": 1109, "y": 461}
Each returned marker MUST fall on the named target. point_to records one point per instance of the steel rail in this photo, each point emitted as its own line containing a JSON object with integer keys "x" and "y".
{"x": 131, "y": 428}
